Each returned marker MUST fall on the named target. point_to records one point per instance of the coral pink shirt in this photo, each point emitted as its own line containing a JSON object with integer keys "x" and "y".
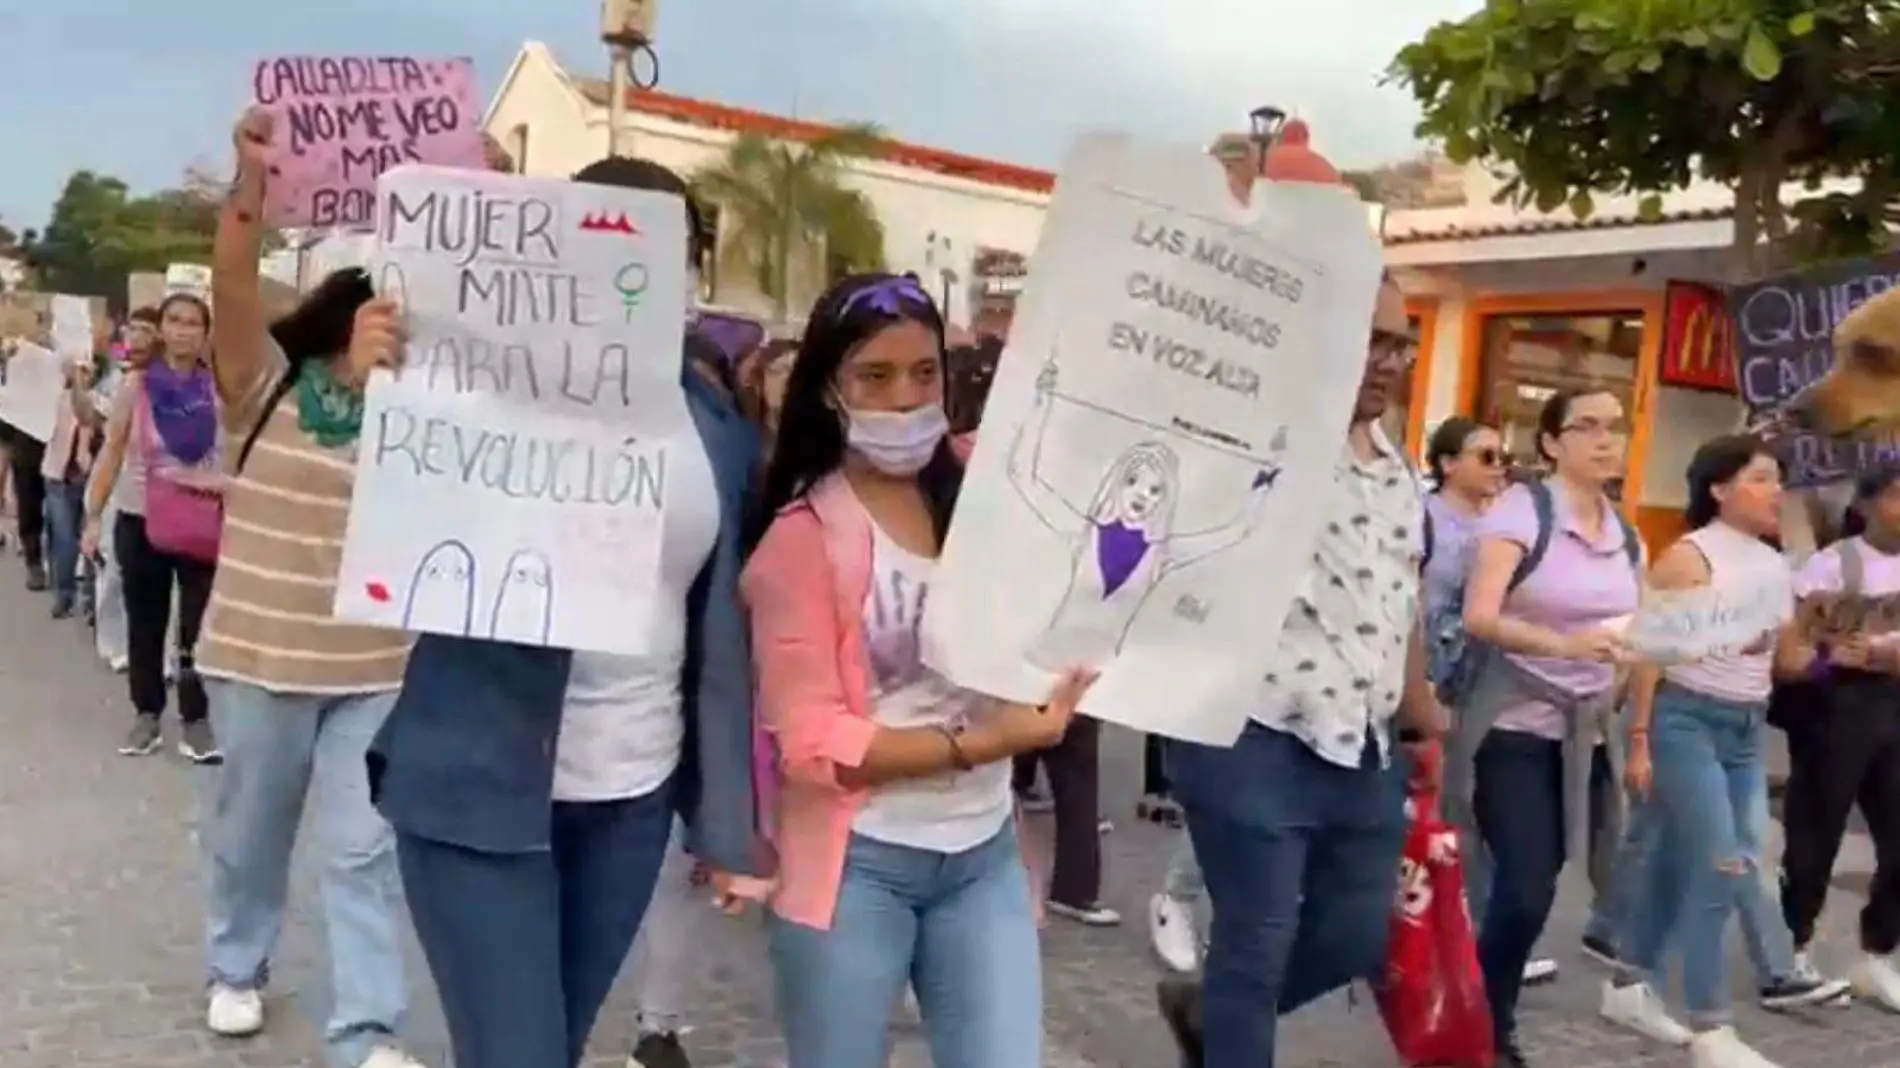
{"x": 805, "y": 587}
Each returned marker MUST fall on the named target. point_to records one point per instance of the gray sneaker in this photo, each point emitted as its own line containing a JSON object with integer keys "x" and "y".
{"x": 197, "y": 744}
{"x": 144, "y": 738}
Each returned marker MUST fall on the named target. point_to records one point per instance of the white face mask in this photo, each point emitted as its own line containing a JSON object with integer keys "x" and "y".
{"x": 897, "y": 443}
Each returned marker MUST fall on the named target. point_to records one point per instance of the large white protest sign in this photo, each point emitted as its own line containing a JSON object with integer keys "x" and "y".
{"x": 1161, "y": 435}
{"x": 1679, "y": 626}
{"x": 31, "y": 386}
{"x": 511, "y": 478}
{"x": 72, "y": 326}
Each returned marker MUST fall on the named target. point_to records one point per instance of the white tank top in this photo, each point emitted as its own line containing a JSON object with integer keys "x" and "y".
{"x": 1737, "y": 562}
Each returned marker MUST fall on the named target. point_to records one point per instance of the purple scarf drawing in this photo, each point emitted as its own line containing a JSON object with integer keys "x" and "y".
{"x": 1119, "y": 549}
{"x": 184, "y": 411}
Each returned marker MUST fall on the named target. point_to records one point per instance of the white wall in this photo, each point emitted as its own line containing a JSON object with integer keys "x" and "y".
{"x": 1685, "y": 418}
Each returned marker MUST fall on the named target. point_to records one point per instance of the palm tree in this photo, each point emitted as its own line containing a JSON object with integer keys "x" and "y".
{"x": 779, "y": 202}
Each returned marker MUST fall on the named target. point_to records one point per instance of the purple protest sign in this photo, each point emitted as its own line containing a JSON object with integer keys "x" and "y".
{"x": 342, "y": 121}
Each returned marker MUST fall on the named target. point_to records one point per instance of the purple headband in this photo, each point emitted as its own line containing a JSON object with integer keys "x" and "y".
{"x": 888, "y": 297}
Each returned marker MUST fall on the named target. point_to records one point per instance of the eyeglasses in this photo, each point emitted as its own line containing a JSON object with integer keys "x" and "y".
{"x": 1598, "y": 428}
{"x": 1488, "y": 457}
{"x": 1390, "y": 348}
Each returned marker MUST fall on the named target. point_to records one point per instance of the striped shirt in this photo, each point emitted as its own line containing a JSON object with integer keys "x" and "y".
{"x": 269, "y": 623}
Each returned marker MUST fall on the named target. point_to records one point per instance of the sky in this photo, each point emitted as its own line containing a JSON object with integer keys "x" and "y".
{"x": 141, "y": 91}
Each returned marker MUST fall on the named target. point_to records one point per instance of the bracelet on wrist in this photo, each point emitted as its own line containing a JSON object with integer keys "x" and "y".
{"x": 959, "y": 759}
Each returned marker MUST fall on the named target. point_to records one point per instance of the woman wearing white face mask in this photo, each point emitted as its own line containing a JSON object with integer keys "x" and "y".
{"x": 897, "y": 848}
{"x": 533, "y": 790}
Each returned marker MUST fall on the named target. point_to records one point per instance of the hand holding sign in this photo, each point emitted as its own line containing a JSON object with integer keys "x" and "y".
{"x": 251, "y": 137}
{"x": 376, "y": 340}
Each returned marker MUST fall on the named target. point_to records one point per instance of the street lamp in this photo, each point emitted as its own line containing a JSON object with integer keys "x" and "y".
{"x": 1263, "y": 129}
{"x": 626, "y": 28}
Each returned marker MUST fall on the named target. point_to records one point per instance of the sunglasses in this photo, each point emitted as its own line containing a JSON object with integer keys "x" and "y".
{"x": 1488, "y": 457}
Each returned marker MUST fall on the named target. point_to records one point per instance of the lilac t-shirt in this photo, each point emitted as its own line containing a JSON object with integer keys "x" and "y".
{"x": 1453, "y": 531}
{"x": 1879, "y": 577}
{"x": 1580, "y": 584}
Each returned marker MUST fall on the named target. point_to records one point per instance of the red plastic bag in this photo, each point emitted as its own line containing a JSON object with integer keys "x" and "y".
{"x": 1433, "y": 995}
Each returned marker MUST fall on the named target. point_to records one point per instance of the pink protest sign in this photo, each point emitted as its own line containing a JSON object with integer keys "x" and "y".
{"x": 342, "y": 121}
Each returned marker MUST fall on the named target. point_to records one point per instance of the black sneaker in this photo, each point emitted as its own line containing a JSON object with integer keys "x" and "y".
{"x": 1180, "y": 1003}
{"x": 1158, "y": 809}
{"x": 197, "y": 744}
{"x": 1510, "y": 1055}
{"x": 659, "y": 1050}
{"x": 144, "y": 738}
{"x": 1801, "y": 991}
{"x": 63, "y": 609}
{"x": 1601, "y": 951}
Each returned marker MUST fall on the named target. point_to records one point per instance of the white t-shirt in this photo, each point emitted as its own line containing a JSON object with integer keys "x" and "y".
{"x": 946, "y": 813}
{"x": 621, "y": 725}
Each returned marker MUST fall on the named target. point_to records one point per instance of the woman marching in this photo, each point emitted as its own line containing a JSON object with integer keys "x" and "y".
{"x": 533, "y": 790}
{"x": 1696, "y": 759}
{"x": 897, "y": 845}
{"x": 162, "y": 458}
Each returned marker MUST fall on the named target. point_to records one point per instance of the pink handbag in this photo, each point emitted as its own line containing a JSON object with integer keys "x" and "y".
{"x": 184, "y": 506}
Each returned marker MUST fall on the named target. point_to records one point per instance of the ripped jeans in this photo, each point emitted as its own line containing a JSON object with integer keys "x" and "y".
{"x": 1708, "y": 782}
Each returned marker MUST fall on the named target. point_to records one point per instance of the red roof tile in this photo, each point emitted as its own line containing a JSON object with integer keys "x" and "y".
{"x": 741, "y": 120}
{"x": 1554, "y": 224}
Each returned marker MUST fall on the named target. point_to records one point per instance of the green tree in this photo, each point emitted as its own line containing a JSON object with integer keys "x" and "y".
{"x": 1573, "y": 98}
{"x": 780, "y": 203}
{"x": 99, "y": 233}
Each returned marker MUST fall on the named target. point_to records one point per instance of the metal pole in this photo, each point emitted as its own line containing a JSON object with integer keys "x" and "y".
{"x": 620, "y": 82}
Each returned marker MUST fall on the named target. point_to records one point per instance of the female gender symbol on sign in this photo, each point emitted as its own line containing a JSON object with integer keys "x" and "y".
{"x": 631, "y": 281}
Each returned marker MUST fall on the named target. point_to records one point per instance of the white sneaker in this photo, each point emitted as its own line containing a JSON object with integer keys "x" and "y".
{"x": 234, "y": 1013}
{"x": 1638, "y": 1008}
{"x": 1171, "y": 933}
{"x": 1722, "y": 1048}
{"x": 389, "y": 1057}
{"x": 1540, "y": 970}
{"x": 1877, "y": 980}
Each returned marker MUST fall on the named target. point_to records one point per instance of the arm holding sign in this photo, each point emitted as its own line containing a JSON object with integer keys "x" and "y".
{"x": 239, "y": 355}
{"x": 822, "y": 722}
{"x": 1504, "y": 536}
{"x": 105, "y": 470}
{"x": 1056, "y": 511}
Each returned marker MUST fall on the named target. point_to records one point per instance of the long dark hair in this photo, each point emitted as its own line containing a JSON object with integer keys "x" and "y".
{"x": 1717, "y": 463}
{"x": 319, "y": 326}
{"x": 811, "y": 432}
{"x": 1446, "y": 443}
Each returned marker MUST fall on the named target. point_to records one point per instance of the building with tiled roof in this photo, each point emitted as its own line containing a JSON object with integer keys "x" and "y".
{"x": 941, "y": 210}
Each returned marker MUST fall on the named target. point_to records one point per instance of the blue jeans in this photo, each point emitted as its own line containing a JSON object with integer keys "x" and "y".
{"x": 960, "y": 927}
{"x": 1764, "y": 933}
{"x": 1709, "y": 792}
{"x": 525, "y": 946}
{"x": 278, "y": 747}
{"x": 1301, "y": 859}
{"x": 65, "y": 511}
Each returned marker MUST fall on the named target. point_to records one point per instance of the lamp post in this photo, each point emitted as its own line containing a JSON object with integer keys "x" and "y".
{"x": 1264, "y": 124}
{"x": 626, "y": 28}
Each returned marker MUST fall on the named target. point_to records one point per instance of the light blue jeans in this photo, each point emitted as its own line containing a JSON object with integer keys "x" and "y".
{"x": 1708, "y": 796}
{"x": 959, "y": 927}
{"x": 1757, "y": 902}
{"x": 278, "y": 747}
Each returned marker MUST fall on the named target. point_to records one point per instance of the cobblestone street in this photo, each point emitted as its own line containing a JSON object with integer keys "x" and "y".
{"x": 100, "y": 926}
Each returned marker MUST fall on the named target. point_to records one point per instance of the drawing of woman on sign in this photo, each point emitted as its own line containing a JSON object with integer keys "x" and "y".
{"x": 1124, "y": 541}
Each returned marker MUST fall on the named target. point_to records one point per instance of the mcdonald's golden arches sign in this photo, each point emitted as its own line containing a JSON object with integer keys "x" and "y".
{"x": 1698, "y": 349}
